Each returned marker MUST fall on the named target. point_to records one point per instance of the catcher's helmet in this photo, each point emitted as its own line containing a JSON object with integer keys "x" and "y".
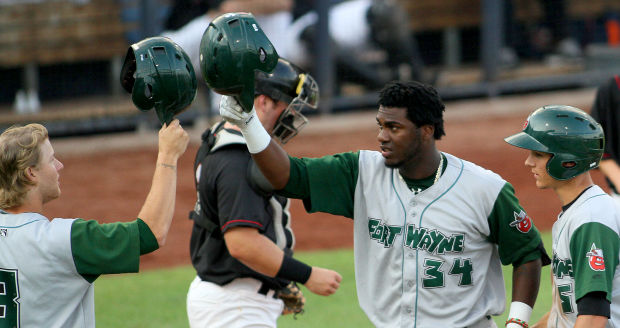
{"x": 290, "y": 84}
{"x": 232, "y": 49}
{"x": 158, "y": 73}
{"x": 573, "y": 137}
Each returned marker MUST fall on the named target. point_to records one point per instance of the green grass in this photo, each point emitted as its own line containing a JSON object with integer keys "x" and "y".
{"x": 157, "y": 298}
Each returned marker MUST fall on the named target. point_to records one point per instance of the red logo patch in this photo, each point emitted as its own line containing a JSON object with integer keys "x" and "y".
{"x": 527, "y": 122}
{"x": 595, "y": 258}
{"x": 522, "y": 222}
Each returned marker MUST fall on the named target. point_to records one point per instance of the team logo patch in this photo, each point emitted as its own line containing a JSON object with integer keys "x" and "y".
{"x": 4, "y": 232}
{"x": 595, "y": 258}
{"x": 527, "y": 122}
{"x": 522, "y": 222}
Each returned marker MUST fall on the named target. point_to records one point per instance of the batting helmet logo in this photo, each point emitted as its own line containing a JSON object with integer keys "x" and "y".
{"x": 522, "y": 222}
{"x": 595, "y": 258}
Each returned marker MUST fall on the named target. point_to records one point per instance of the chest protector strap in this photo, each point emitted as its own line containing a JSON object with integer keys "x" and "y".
{"x": 198, "y": 215}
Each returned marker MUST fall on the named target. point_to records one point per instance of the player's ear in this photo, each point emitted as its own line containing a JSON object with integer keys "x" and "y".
{"x": 262, "y": 102}
{"x": 428, "y": 131}
{"x": 31, "y": 173}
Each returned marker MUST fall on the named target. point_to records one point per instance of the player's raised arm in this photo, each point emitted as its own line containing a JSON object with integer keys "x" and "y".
{"x": 159, "y": 204}
{"x": 268, "y": 155}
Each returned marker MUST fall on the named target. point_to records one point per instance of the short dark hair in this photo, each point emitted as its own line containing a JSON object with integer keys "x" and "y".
{"x": 424, "y": 106}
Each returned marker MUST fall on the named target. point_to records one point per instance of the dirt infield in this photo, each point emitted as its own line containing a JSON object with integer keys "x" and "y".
{"x": 107, "y": 177}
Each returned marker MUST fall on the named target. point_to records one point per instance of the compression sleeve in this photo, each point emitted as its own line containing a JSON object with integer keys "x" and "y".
{"x": 594, "y": 303}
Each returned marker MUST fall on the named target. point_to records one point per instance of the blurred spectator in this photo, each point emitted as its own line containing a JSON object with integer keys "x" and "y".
{"x": 606, "y": 110}
{"x": 358, "y": 29}
{"x": 551, "y": 37}
{"x": 190, "y": 18}
{"x": 183, "y": 11}
{"x": 194, "y": 16}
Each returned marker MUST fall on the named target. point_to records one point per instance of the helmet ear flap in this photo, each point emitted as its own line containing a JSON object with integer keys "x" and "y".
{"x": 142, "y": 95}
{"x": 556, "y": 168}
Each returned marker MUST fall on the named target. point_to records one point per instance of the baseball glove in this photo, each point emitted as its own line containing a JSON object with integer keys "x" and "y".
{"x": 293, "y": 299}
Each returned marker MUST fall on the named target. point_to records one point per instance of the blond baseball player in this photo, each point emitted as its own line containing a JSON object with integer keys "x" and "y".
{"x": 48, "y": 266}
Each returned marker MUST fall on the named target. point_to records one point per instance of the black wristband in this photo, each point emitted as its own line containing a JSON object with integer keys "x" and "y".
{"x": 294, "y": 270}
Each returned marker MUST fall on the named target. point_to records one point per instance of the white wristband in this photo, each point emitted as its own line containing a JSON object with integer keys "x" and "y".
{"x": 521, "y": 311}
{"x": 256, "y": 137}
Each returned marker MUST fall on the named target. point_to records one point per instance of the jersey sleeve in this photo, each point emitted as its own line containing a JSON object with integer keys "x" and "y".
{"x": 594, "y": 249}
{"x": 238, "y": 203}
{"x": 513, "y": 230}
{"x": 148, "y": 241}
{"x": 325, "y": 184}
{"x": 105, "y": 248}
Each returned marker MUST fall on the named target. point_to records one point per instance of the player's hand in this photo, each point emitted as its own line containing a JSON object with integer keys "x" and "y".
{"x": 173, "y": 140}
{"x": 231, "y": 111}
{"x": 323, "y": 281}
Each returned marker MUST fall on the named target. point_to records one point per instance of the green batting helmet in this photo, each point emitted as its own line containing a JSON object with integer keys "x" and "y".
{"x": 232, "y": 49}
{"x": 573, "y": 137}
{"x": 158, "y": 73}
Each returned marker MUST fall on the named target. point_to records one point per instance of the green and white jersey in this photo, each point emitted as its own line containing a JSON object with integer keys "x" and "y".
{"x": 585, "y": 256}
{"x": 47, "y": 267}
{"x": 431, "y": 259}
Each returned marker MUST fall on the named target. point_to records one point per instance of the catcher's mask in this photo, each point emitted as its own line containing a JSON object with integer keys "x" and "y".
{"x": 158, "y": 73}
{"x": 575, "y": 140}
{"x": 290, "y": 84}
{"x": 233, "y": 48}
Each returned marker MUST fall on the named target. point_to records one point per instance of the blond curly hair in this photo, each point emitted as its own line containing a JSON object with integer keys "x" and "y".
{"x": 20, "y": 148}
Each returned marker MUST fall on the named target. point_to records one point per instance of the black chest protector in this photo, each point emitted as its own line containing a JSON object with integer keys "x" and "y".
{"x": 213, "y": 140}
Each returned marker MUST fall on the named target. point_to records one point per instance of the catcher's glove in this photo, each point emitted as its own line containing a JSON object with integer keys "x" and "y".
{"x": 293, "y": 299}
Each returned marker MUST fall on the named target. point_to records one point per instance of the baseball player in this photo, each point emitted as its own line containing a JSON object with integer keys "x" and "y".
{"x": 431, "y": 230}
{"x": 47, "y": 267}
{"x": 605, "y": 110}
{"x": 242, "y": 242}
{"x": 565, "y": 143}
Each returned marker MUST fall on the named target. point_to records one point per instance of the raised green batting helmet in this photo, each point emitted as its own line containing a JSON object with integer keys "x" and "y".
{"x": 158, "y": 73}
{"x": 573, "y": 137}
{"x": 232, "y": 49}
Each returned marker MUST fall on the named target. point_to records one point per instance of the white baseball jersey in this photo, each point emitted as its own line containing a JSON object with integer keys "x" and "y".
{"x": 431, "y": 259}
{"x": 47, "y": 267}
{"x": 586, "y": 245}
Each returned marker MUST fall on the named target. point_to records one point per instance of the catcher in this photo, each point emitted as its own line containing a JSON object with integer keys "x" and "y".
{"x": 241, "y": 243}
